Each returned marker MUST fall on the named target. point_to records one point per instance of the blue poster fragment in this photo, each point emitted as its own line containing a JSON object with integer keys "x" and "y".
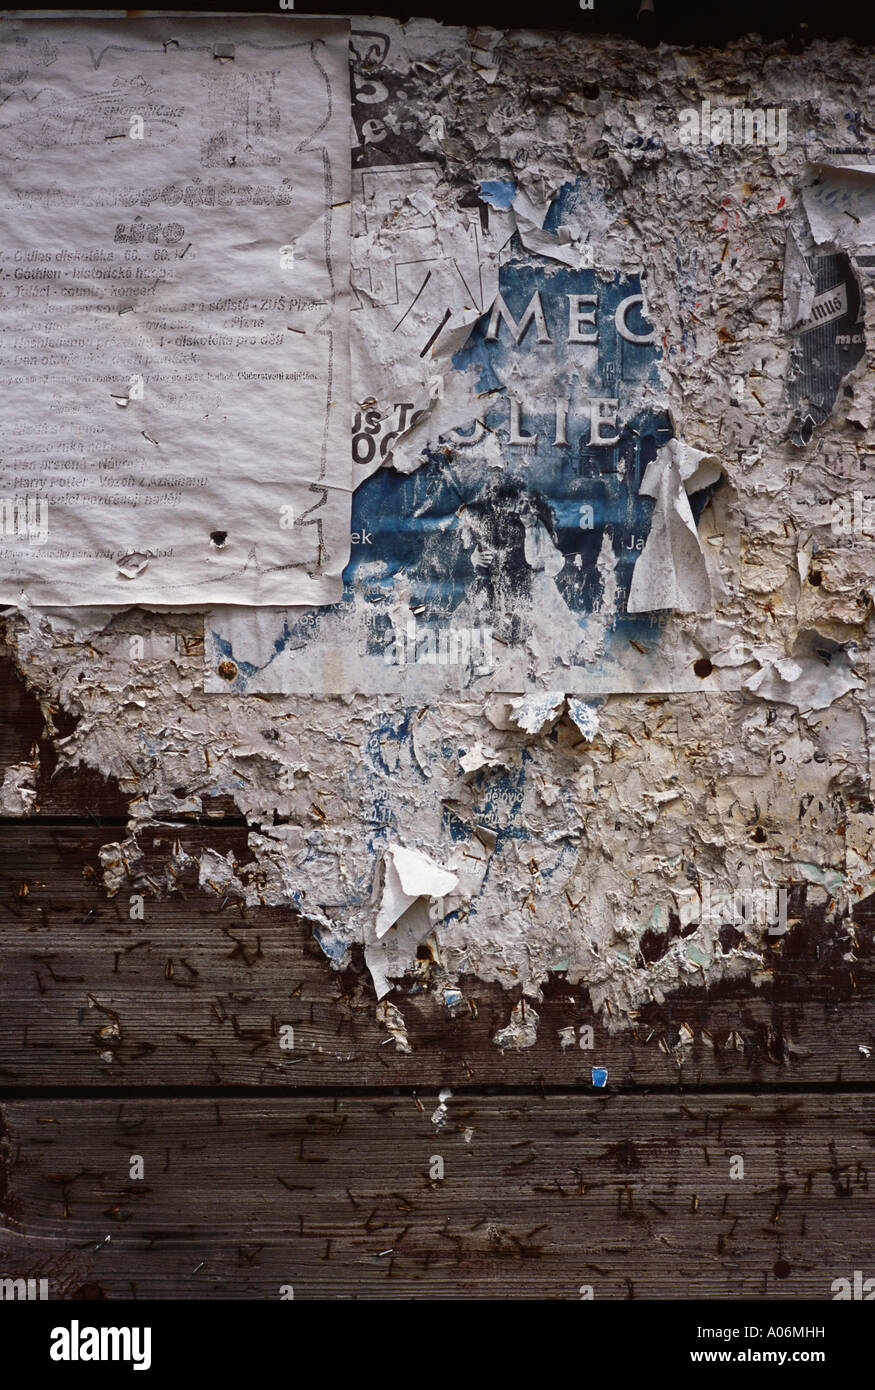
{"x": 505, "y": 558}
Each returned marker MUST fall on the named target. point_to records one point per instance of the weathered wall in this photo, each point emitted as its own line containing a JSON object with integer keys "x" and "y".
{"x": 574, "y": 849}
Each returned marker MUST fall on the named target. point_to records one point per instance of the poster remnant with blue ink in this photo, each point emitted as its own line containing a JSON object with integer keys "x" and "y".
{"x": 504, "y": 559}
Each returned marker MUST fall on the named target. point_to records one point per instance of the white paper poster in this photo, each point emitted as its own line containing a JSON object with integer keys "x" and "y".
{"x": 174, "y": 299}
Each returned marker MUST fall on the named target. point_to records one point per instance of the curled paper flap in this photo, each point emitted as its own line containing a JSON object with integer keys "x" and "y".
{"x": 671, "y": 571}
{"x": 409, "y": 874}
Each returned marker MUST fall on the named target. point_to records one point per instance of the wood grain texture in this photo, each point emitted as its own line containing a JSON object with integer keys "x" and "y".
{"x": 540, "y": 1195}
{"x": 197, "y": 992}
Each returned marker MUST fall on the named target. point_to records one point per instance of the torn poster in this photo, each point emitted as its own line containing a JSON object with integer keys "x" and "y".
{"x": 823, "y": 295}
{"x": 174, "y": 294}
{"x": 499, "y": 555}
{"x": 839, "y": 200}
{"x": 829, "y": 342}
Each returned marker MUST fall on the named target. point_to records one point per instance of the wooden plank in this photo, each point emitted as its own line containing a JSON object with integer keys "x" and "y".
{"x": 198, "y": 992}
{"x": 540, "y": 1195}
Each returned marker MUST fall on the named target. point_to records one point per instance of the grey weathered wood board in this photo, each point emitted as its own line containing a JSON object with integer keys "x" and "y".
{"x": 629, "y": 1195}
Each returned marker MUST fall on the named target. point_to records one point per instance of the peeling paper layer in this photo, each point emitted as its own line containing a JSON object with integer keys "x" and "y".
{"x": 408, "y": 875}
{"x": 672, "y": 571}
